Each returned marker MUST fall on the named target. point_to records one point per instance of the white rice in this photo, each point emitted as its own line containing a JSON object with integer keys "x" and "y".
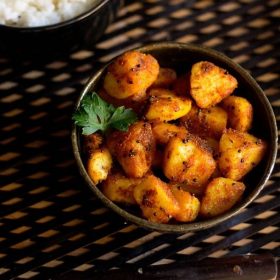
{"x": 30, "y": 13}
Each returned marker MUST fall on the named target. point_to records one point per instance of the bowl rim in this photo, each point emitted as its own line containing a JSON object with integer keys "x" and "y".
{"x": 77, "y": 18}
{"x": 203, "y": 224}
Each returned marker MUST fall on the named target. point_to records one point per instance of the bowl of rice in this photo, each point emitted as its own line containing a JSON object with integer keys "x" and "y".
{"x": 36, "y": 27}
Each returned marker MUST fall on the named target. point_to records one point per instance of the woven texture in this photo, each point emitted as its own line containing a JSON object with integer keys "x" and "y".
{"x": 50, "y": 222}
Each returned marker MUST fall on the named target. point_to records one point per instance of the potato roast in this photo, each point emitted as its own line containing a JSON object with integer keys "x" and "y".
{"x": 185, "y": 156}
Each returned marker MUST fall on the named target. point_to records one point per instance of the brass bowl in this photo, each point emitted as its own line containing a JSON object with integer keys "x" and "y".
{"x": 181, "y": 57}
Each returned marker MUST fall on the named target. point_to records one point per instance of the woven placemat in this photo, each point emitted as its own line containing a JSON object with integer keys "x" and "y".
{"x": 50, "y": 222}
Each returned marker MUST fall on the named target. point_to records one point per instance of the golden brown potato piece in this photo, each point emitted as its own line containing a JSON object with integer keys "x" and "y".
{"x": 240, "y": 152}
{"x": 119, "y": 188}
{"x": 99, "y": 165}
{"x": 240, "y": 112}
{"x": 164, "y": 105}
{"x": 189, "y": 205}
{"x": 156, "y": 200}
{"x": 165, "y": 78}
{"x": 210, "y": 84}
{"x": 232, "y": 139}
{"x": 92, "y": 142}
{"x": 163, "y": 132}
{"x": 130, "y": 74}
{"x": 206, "y": 122}
{"x": 187, "y": 161}
{"x": 181, "y": 85}
{"x": 220, "y": 195}
{"x": 134, "y": 149}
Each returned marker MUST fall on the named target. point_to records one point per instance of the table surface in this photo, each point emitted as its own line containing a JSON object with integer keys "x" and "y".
{"x": 50, "y": 223}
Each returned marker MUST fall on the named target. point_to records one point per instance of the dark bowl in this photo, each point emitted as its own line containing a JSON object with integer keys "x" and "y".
{"x": 181, "y": 57}
{"x": 60, "y": 38}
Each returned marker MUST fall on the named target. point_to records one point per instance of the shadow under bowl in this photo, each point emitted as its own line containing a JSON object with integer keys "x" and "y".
{"x": 180, "y": 57}
{"x": 56, "y": 39}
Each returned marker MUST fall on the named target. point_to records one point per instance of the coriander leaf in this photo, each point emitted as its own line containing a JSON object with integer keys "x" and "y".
{"x": 101, "y": 108}
{"x": 87, "y": 130}
{"x": 80, "y": 117}
{"x": 122, "y": 118}
{"x": 96, "y": 114}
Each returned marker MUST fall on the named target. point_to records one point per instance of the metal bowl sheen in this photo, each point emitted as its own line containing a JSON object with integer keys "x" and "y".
{"x": 181, "y": 56}
{"x": 60, "y": 38}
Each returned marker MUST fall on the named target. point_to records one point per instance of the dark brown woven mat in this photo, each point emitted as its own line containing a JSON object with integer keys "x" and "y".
{"x": 50, "y": 222}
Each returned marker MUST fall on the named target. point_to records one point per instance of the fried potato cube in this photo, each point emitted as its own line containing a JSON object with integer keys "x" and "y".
{"x": 221, "y": 195}
{"x": 164, "y": 105}
{"x": 240, "y": 152}
{"x": 163, "y": 132}
{"x": 213, "y": 146}
{"x": 99, "y": 165}
{"x": 210, "y": 84}
{"x": 181, "y": 85}
{"x": 165, "y": 77}
{"x": 134, "y": 149}
{"x": 188, "y": 161}
{"x": 119, "y": 188}
{"x": 130, "y": 74}
{"x": 232, "y": 139}
{"x": 189, "y": 205}
{"x": 206, "y": 122}
{"x": 156, "y": 200}
{"x": 240, "y": 112}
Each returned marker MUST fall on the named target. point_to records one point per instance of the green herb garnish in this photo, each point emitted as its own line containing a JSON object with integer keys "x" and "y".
{"x": 96, "y": 114}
